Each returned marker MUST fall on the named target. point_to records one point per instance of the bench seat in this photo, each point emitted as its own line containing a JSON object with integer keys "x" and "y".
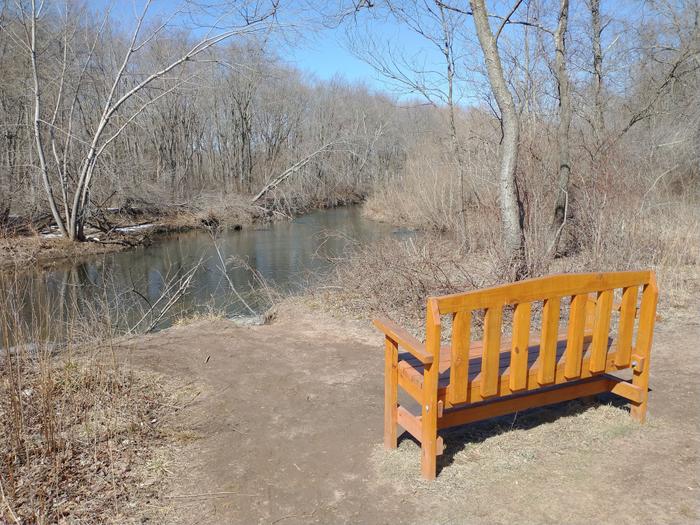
{"x": 411, "y": 369}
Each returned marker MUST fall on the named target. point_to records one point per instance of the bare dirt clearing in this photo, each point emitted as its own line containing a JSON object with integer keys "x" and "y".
{"x": 287, "y": 429}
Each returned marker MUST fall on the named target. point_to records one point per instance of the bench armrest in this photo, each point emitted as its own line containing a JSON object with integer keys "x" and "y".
{"x": 405, "y": 340}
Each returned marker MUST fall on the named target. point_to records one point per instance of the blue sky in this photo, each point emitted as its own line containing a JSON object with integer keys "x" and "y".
{"x": 326, "y": 56}
{"x": 321, "y": 52}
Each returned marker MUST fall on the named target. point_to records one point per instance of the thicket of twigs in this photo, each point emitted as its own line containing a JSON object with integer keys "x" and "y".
{"x": 78, "y": 437}
{"x": 81, "y": 429}
{"x": 395, "y": 276}
{"x": 617, "y": 147}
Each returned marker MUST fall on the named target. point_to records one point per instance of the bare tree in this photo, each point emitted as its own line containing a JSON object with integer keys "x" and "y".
{"x": 510, "y": 206}
{"x": 596, "y": 32}
{"x": 71, "y": 223}
{"x": 561, "y": 206}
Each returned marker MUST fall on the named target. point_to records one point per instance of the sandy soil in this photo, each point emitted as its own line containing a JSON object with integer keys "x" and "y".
{"x": 285, "y": 426}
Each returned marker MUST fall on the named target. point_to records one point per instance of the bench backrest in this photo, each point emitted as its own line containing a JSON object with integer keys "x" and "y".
{"x": 588, "y": 349}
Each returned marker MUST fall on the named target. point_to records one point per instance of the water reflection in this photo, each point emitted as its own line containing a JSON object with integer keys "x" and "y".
{"x": 288, "y": 255}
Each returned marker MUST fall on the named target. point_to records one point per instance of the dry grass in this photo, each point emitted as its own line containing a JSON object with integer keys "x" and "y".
{"x": 80, "y": 441}
{"x": 214, "y": 210}
{"x": 80, "y": 431}
{"x": 428, "y": 195}
{"x": 508, "y": 448}
{"x": 393, "y": 277}
{"x": 21, "y": 252}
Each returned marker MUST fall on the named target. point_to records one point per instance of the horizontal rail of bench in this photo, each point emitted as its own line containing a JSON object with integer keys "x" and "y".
{"x": 415, "y": 388}
{"x": 549, "y": 396}
{"x": 412, "y": 425}
{"x": 540, "y": 288}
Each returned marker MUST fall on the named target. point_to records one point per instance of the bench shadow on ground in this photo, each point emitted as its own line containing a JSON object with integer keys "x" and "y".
{"x": 458, "y": 438}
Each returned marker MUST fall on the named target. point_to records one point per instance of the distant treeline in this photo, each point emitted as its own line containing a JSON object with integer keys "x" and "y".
{"x": 591, "y": 105}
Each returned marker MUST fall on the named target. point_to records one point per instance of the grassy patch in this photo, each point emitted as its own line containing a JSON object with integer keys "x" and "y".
{"x": 79, "y": 439}
{"x": 508, "y": 447}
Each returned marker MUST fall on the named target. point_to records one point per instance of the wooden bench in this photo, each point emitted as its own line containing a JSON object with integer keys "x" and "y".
{"x": 583, "y": 338}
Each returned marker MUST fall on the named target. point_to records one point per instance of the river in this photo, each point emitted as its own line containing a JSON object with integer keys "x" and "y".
{"x": 122, "y": 288}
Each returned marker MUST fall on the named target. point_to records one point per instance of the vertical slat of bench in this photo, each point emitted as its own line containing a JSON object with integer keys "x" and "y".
{"x": 574, "y": 337}
{"x": 519, "y": 350}
{"x": 490, "y": 358}
{"x": 547, "y": 360}
{"x": 628, "y": 311}
{"x": 601, "y": 331}
{"x": 645, "y": 335}
{"x": 459, "y": 364}
{"x": 429, "y": 410}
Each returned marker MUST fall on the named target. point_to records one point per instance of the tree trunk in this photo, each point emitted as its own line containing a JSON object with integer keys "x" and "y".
{"x": 456, "y": 146}
{"x": 510, "y": 206}
{"x": 563, "y": 202}
{"x": 37, "y": 129}
{"x": 598, "y": 120}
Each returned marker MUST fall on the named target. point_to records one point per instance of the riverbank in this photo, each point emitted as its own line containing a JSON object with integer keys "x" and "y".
{"x": 283, "y": 423}
{"x": 140, "y": 224}
{"x": 118, "y": 229}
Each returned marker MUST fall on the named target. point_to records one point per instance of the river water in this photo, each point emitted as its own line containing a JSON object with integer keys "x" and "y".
{"x": 287, "y": 256}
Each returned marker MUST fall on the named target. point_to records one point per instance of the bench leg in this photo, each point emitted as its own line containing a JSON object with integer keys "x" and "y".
{"x": 429, "y": 417}
{"x": 428, "y": 460}
{"x": 640, "y": 359}
{"x": 391, "y": 390}
{"x": 638, "y": 411}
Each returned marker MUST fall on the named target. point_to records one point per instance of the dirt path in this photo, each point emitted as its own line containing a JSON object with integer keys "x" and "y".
{"x": 289, "y": 420}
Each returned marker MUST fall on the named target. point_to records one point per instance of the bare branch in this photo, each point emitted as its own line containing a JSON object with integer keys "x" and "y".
{"x": 506, "y": 20}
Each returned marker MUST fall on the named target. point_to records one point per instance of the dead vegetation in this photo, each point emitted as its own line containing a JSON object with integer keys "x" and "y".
{"x": 395, "y": 276}
{"x": 81, "y": 430}
{"x": 508, "y": 448}
{"x": 79, "y": 438}
{"x": 135, "y": 223}
{"x": 38, "y": 251}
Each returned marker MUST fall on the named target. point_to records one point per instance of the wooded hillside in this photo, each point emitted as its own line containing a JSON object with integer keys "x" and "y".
{"x": 552, "y": 120}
